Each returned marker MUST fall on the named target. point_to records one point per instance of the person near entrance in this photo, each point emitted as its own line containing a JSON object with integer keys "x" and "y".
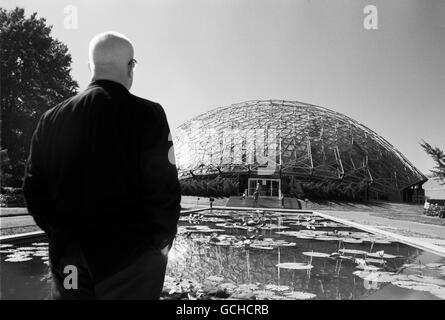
{"x": 256, "y": 194}
{"x": 282, "y": 200}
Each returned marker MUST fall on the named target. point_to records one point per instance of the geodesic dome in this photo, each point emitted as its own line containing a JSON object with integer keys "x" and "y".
{"x": 289, "y": 138}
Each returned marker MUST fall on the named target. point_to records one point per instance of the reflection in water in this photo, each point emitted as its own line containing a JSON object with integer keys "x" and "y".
{"x": 240, "y": 251}
{"x": 329, "y": 279}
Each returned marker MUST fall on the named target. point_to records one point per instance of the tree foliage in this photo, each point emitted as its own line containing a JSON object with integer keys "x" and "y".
{"x": 439, "y": 158}
{"x": 35, "y": 76}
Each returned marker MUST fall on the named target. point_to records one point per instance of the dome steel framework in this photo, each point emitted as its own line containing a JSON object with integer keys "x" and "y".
{"x": 289, "y": 138}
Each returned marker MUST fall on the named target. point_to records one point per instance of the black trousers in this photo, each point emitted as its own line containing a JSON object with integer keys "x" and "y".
{"x": 142, "y": 280}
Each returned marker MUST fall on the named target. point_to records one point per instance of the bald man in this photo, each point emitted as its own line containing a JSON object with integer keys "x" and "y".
{"x": 100, "y": 184}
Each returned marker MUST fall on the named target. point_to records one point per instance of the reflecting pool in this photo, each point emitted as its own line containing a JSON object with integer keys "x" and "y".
{"x": 227, "y": 254}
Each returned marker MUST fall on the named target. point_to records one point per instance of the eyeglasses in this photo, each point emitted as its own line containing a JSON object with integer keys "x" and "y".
{"x": 133, "y": 63}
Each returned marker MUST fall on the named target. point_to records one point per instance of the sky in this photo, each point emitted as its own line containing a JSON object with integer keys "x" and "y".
{"x": 196, "y": 55}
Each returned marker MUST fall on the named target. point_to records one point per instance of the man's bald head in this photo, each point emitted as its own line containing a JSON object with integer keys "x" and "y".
{"x": 109, "y": 56}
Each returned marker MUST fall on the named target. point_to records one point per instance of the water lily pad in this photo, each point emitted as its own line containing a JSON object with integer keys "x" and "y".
{"x": 227, "y": 225}
{"x": 336, "y": 255}
{"x": 255, "y": 246}
{"x": 247, "y": 288}
{"x": 306, "y": 237}
{"x": 289, "y": 233}
{"x": 5, "y": 245}
{"x": 434, "y": 265}
{"x": 243, "y": 227}
{"x": 7, "y": 251}
{"x": 267, "y": 295}
{"x": 40, "y": 254}
{"x": 331, "y": 225}
{"x": 19, "y": 254}
{"x": 336, "y": 233}
{"x": 376, "y": 261}
{"x": 214, "y": 219}
{"x": 316, "y": 254}
{"x": 375, "y": 276}
{"x": 199, "y": 227}
{"x": 295, "y": 266}
{"x": 215, "y": 279}
{"x": 40, "y": 244}
{"x": 42, "y": 249}
{"x": 326, "y": 238}
{"x": 380, "y": 255}
{"x": 228, "y": 287}
{"x": 285, "y": 244}
{"x": 18, "y": 259}
{"x": 275, "y": 287}
{"x": 273, "y": 227}
{"x": 353, "y": 251}
{"x": 414, "y": 266}
{"x": 297, "y": 295}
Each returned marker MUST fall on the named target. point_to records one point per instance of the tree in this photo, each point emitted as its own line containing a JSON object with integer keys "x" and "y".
{"x": 439, "y": 158}
{"x": 35, "y": 76}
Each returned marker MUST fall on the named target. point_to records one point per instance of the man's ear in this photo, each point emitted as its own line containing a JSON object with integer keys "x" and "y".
{"x": 130, "y": 71}
{"x": 130, "y": 77}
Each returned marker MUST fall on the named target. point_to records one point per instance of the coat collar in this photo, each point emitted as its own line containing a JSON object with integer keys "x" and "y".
{"x": 108, "y": 84}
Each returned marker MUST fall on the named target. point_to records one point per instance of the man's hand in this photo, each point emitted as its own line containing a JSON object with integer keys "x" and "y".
{"x": 165, "y": 250}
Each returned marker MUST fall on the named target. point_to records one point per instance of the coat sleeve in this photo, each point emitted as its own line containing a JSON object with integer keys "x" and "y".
{"x": 161, "y": 194}
{"x": 35, "y": 186}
